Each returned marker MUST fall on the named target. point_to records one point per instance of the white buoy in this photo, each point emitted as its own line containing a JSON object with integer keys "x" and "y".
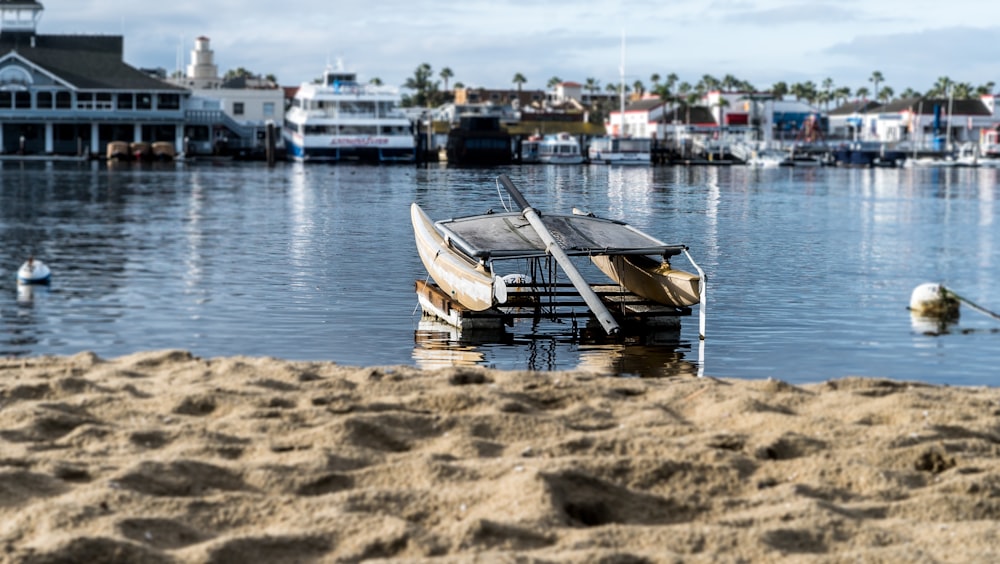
{"x": 33, "y": 271}
{"x": 934, "y": 301}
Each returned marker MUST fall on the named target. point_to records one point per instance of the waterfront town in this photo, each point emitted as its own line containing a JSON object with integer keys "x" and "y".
{"x": 73, "y": 96}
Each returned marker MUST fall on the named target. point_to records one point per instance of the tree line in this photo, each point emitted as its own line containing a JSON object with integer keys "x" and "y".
{"x": 428, "y": 92}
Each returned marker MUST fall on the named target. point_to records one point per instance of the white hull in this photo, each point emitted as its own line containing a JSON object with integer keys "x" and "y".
{"x": 651, "y": 279}
{"x": 464, "y": 280}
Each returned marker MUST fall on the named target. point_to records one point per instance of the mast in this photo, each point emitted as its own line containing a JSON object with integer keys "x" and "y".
{"x": 621, "y": 89}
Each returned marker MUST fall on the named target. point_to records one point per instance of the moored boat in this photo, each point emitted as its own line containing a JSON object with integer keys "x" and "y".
{"x": 479, "y": 140}
{"x": 118, "y": 151}
{"x": 559, "y": 148}
{"x": 470, "y": 258}
{"x": 620, "y": 151}
{"x": 340, "y": 119}
{"x": 163, "y": 151}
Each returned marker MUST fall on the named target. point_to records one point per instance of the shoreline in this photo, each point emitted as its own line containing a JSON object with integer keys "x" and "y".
{"x": 162, "y": 456}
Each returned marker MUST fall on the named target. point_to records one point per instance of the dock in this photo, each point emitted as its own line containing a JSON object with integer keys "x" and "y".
{"x": 560, "y": 302}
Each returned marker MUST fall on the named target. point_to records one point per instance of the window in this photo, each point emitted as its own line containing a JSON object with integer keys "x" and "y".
{"x": 125, "y": 101}
{"x": 6, "y": 99}
{"x": 237, "y": 108}
{"x": 44, "y": 100}
{"x": 64, "y": 100}
{"x": 144, "y": 101}
{"x": 168, "y": 102}
{"x": 102, "y": 101}
{"x": 268, "y": 109}
{"x": 84, "y": 101}
{"x": 22, "y": 100}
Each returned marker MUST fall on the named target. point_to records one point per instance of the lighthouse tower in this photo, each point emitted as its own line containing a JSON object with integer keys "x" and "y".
{"x": 202, "y": 72}
{"x": 19, "y": 17}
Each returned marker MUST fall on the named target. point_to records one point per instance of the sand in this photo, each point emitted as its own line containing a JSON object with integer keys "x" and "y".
{"x": 166, "y": 457}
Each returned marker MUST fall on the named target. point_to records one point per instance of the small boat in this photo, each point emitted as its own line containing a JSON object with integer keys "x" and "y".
{"x": 559, "y": 148}
{"x": 163, "y": 151}
{"x": 768, "y": 158}
{"x": 118, "y": 151}
{"x": 141, "y": 150}
{"x": 620, "y": 151}
{"x": 479, "y": 140}
{"x": 34, "y": 271}
{"x": 529, "y": 150}
{"x": 465, "y": 257}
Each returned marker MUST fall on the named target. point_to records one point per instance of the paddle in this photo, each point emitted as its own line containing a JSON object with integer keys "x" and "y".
{"x": 552, "y": 248}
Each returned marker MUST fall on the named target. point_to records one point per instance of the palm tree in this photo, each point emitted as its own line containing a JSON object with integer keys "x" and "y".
{"x": 375, "y": 81}
{"x": 519, "y": 80}
{"x": 445, "y": 74}
{"x": 885, "y": 95}
{"x": 426, "y": 89}
{"x": 554, "y": 81}
{"x": 671, "y": 81}
{"x": 940, "y": 88}
{"x": 779, "y": 89}
{"x": 592, "y": 85}
{"x": 862, "y": 93}
{"x": 876, "y": 78}
{"x": 639, "y": 88}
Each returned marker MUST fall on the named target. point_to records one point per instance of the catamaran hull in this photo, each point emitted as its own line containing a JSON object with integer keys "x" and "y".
{"x": 651, "y": 279}
{"x": 464, "y": 281}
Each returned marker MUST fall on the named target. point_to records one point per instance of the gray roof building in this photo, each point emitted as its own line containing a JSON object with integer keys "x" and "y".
{"x": 72, "y": 94}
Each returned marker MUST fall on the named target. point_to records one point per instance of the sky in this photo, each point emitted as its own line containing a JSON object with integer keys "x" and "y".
{"x": 486, "y": 43}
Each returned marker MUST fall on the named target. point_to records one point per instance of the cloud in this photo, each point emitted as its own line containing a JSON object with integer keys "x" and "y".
{"x": 913, "y": 59}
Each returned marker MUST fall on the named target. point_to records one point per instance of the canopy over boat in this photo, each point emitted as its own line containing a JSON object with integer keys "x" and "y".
{"x": 510, "y": 235}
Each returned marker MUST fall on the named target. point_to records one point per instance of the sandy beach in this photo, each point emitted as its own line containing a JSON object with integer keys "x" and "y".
{"x": 166, "y": 457}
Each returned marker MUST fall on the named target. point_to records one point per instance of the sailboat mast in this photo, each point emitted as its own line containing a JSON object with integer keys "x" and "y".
{"x": 621, "y": 88}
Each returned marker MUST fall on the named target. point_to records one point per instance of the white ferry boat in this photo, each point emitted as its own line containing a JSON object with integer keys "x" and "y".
{"x": 340, "y": 119}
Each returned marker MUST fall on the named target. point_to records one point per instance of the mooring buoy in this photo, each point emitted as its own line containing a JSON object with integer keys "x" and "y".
{"x": 935, "y": 301}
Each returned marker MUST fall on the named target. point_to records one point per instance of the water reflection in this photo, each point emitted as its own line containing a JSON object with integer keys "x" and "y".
{"x": 650, "y": 355}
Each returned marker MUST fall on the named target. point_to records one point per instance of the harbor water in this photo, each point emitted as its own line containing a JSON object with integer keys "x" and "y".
{"x": 809, "y": 269}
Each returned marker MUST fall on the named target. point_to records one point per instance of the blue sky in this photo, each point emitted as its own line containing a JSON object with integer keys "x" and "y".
{"x": 912, "y": 43}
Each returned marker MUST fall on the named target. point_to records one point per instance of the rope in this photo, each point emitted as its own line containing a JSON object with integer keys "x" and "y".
{"x": 500, "y": 194}
{"x": 970, "y": 303}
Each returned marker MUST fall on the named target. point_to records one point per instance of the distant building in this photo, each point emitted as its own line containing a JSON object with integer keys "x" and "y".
{"x": 227, "y": 115}
{"x": 74, "y": 94}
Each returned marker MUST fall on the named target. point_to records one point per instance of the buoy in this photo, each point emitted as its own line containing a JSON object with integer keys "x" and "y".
{"x": 33, "y": 271}
{"x": 933, "y": 300}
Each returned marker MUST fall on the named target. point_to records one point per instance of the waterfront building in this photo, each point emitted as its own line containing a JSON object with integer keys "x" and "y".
{"x": 228, "y": 115}
{"x": 74, "y": 94}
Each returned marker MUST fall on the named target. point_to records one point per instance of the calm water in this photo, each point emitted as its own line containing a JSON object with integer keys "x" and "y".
{"x": 810, "y": 270}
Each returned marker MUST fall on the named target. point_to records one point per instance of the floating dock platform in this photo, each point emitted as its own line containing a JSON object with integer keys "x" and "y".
{"x": 560, "y": 301}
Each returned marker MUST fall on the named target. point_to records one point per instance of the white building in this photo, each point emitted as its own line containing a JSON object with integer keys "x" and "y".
{"x": 233, "y": 112}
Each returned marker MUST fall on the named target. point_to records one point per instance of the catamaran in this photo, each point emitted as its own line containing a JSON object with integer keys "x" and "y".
{"x": 471, "y": 259}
